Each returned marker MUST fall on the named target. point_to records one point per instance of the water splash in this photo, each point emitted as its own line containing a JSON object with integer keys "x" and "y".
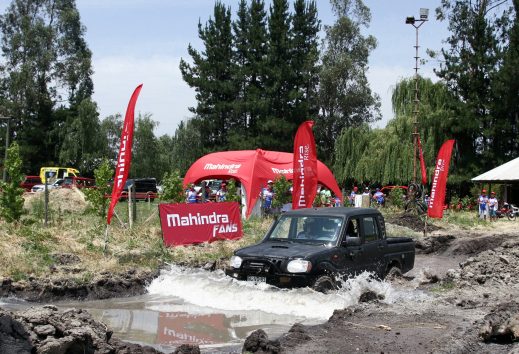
{"x": 215, "y": 290}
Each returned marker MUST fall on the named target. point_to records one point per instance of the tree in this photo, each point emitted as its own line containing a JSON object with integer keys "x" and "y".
{"x": 346, "y": 99}
{"x": 506, "y": 91}
{"x": 145, "y": 148}
{"x": 304, "y": 58}
{"x": 386, "y": 155}
{"x": 211, "y": 74}
{"x": 275, "y": 129}
{"x": 111, "y": 129}
{"x": 83, "y": 142}
{"x": 250, "y": 59}
{"x": 468, "y": 66}
{"x": 11, "y": 197}
{"x": 45, "y": 55}
{"x": 187, "y": 146}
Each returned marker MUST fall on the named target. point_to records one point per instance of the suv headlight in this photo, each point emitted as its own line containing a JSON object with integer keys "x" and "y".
{"x": 299, "y": 266}
{"x": 235, "y": 262}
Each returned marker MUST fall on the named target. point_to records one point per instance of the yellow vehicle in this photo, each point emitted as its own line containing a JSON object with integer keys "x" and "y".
{"x": 54, "y": 173}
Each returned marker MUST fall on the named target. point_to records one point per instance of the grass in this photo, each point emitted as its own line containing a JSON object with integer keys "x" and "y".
{"x": 443, "y": 287}
{"x": 28, "y": 247}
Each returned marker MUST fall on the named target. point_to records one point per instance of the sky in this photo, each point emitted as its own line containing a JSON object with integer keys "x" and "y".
{"x": 142, "y": 41}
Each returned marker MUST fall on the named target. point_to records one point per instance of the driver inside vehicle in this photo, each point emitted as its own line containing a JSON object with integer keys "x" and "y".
{"x": 311, "y": 229}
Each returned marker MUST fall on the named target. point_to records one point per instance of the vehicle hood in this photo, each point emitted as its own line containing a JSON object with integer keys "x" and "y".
{"x": 281, "y": 250}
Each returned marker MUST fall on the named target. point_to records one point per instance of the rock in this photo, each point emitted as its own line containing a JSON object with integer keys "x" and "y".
{"x": 370, "y": 296}
{"x": 187, "y": 349}
{"x": 501, "y": 324}
{"x": 504, "y": 259}
{"x": 256, "y": 341}
{"x": 209, "y": 266}
{"x": 14, "y": 338}
{"x": 44, "y": 330}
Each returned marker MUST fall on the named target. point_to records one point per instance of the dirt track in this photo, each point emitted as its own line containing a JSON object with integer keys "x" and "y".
{"x": 472, "y": 308}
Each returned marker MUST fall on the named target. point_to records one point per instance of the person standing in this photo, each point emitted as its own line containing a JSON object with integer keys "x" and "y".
{"x": 221, "y": 195}
{"x": 191, "y": 194}
{"x": 483, "y": 204}
{"x": 492, "y": 206}
{"x": 352, "y": 196}
{"x": 379, "y": 197}
{"x": 267, "y": 195}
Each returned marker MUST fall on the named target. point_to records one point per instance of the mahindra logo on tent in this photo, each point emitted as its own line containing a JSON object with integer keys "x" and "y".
{"x": 284, "y": 171}
{"x": 231, "y": 168}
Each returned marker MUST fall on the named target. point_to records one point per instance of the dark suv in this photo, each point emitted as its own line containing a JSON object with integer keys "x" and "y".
{"x": 145, "y": 188}
{"x": 315, "y": 247}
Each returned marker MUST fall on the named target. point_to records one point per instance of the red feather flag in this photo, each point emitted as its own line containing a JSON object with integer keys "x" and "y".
{"x": 439, "y": 182}
{"x": 305, "y": 167}
{"x": 125, "y": 154}
{"x": 422, "y": 162}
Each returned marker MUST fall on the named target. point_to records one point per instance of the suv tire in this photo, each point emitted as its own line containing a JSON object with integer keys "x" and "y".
{"x": 324, "y": 284}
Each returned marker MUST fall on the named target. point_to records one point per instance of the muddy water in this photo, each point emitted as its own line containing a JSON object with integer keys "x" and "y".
{"x": 218, "y": 312}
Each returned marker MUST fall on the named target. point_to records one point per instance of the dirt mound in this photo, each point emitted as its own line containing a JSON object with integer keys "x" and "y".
{"x": 501, "y": 325}
{"x": 48, "y": 330}
{"x": 411, "y": 221}
{"x": 493, "y": 266}
{"x": 62, "y": 199}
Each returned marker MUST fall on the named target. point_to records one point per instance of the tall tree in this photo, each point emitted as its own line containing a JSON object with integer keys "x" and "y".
{"x": 506, "y": 91}
{"x": 304, "y": 59}
{"x": 45, "y": 55}
{"x": 187, "y": 146}
{"x": 346, "y": 99}
{"x": 145, "y": 148}
{"x": 83, "y": 143}
{"x": 211, "y": 74}
{"x": 468, "y": 65}
{"x": 277, "y": 127}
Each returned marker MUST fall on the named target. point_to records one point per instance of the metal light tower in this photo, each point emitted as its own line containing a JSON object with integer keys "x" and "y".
{"x": 416, "y": 23}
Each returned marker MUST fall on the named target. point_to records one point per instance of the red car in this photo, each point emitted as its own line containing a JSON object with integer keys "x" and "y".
{"x": 29, "y": 182}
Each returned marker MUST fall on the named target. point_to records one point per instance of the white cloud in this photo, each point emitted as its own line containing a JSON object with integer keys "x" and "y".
{"x": 164, "y": 94}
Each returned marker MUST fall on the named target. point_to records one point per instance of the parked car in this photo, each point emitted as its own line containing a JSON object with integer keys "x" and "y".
{"x": 41, "y": 187}
{"x": 78, "y": 182}
{"x": 29, "y": 182}
{"x": 145, "y": 188}
{"x": 317, "y": 247}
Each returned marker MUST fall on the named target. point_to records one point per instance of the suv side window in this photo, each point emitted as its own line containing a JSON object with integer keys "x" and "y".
{"x": 352, "y": 229}
{"x": 382, "y": 225}
{"x": 369, "y": 226}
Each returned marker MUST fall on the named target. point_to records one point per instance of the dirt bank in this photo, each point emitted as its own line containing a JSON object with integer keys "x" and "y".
{"x": 471, "y": 281}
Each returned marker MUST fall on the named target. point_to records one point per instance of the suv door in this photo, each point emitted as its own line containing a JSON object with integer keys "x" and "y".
{"x": 348, "y": 256}
{"x": 373, "y": 245}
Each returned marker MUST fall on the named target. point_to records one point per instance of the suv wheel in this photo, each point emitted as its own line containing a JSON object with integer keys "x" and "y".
{"x": 393, "y": 272}
{"x": 324, "y": 284}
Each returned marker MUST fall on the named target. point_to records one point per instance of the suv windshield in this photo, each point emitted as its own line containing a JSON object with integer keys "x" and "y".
{"x": 317, "y": 229}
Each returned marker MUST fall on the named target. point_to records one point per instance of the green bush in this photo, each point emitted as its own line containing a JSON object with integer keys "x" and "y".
{"x": 282, "y": 192}
{"x": 97, "y": 196}
{"x": 173, "y": 188}
{"x": 11, "y": 198}
{"x": 396, "y": 197}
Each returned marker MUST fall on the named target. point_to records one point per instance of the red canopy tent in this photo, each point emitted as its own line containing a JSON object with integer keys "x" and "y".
{"x": 253, "y": 168}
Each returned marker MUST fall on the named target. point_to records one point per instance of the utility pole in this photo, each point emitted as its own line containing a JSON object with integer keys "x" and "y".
{"x": 4, "y": 176}
{"x": 416, "y": 23}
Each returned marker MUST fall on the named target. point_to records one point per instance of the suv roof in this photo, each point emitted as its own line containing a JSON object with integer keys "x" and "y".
{"x": 340, "y": 211}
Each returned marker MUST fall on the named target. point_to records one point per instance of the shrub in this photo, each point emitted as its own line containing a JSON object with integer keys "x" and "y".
{"x": 11, "y": 199}
{"x": 96, "y": 196}
{"x": 173, "y": 188}
{"x": 282, "y": 192}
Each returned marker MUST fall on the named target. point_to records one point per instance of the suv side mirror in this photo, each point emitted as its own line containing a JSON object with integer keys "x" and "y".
{"x": 351, "y": 241}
